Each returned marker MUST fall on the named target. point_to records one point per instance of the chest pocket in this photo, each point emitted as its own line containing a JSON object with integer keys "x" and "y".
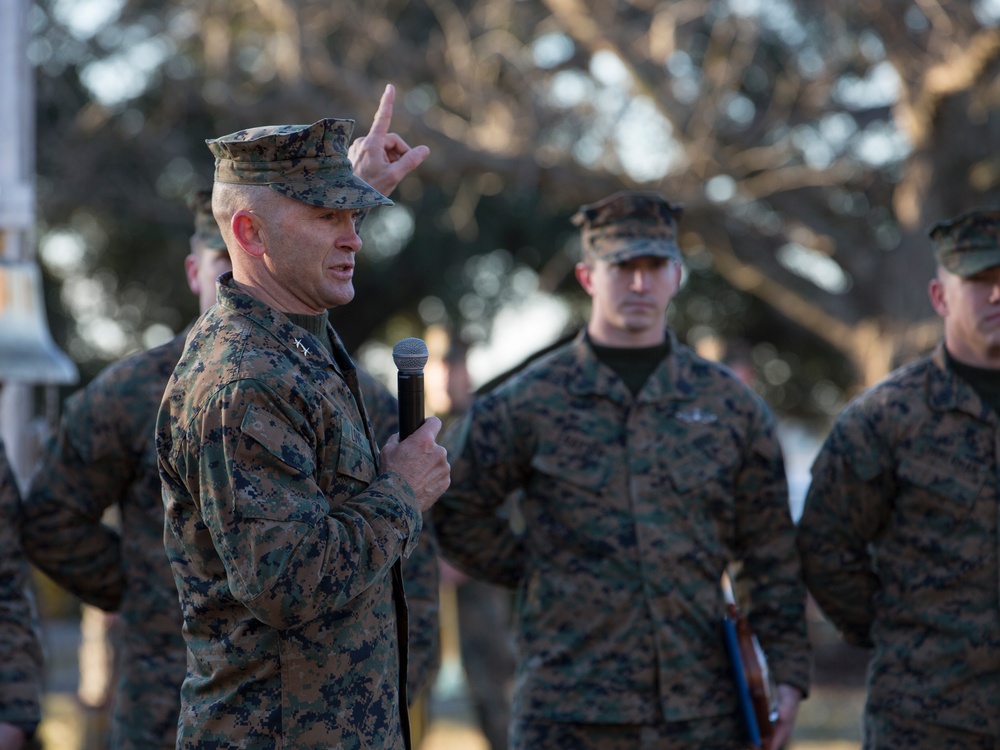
{"x": 701, "y": 462}
{"x": 585, "y": 466}
{"x": 269, "y": 490}
{"x": 355, "y": 459}
{"x": 958, "y": 489}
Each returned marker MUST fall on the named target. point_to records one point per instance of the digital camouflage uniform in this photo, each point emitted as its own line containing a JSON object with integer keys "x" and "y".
{"x": 899, "y": 544}
{"x": 900, "y": 547}
{"x": 632, "y": 509}
{"x": 634, "y": 501}
{"x": 283, "y": 537}
{"x": 103, "y": 456}
{"x": 20, "y": 649}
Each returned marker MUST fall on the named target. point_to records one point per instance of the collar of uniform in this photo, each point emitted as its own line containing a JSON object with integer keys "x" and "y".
{"x": 670, "y": 381}
{"x": 302, "y": 344}
{"x": 948, "y": 392}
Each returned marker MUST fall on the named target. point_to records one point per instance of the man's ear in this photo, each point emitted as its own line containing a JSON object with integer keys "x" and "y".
{"x": 191, "y": 271}
{"x": 939, "y": 300}
{"x": 583, "y": 274}
{"x": 678, "y": 272}
{"x": 247, "y": 229}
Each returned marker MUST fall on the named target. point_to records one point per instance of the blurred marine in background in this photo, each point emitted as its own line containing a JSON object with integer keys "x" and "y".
{"x": 644, "y": 472}
{"x": 20, "y": 648}
{"x": 899, "y": 536}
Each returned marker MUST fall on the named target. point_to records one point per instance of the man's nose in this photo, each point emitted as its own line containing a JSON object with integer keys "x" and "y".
{"x": 350, "y": 240}
{"x": 639, "y": 279}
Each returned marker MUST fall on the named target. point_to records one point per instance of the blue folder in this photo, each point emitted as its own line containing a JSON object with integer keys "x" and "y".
{"x": 740, "y": 677}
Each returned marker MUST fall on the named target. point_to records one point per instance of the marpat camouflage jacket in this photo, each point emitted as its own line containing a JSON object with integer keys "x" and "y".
{"x": 20, "y": 648}
{"x": 899, "y": 544}
{"x": 104, "y": 456}
{"x": 632, "y": 508}
{"x": 283, "y": 537}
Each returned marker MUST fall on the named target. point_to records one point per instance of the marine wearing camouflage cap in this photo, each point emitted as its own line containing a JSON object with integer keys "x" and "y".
{"x": 629, "y": 224}
{"x": 306, "y": 162}
{"x": 968, "y": 244}
{"x": 206, "y": 228}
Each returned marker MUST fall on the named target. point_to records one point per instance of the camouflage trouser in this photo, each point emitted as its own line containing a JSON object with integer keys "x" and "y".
{"x": 717, "y": 733}
{"x": 887, "y": 732}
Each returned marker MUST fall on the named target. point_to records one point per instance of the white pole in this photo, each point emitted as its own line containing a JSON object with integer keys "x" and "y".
{"x": 17, "y": 207}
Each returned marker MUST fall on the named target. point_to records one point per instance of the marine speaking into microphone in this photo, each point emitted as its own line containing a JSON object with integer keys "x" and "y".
{"x": 410, "y": 356}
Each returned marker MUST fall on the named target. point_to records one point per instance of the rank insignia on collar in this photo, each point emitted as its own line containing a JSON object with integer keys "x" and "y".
{"x": 696, "y": 416}
{"x": 301, "y": 347}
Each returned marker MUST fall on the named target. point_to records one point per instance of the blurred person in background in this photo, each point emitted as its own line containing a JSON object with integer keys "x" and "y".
{"x": 20, "y": 646}
{"x": 483, "y": 610}
{"x": 899, "y": 536}
{"x": 644, "y": 471}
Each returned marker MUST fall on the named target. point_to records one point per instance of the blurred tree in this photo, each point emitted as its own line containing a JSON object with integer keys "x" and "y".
{"x": 812, "y": 143}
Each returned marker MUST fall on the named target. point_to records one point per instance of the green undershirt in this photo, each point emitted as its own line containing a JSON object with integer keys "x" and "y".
{"x": 316, "y": 325}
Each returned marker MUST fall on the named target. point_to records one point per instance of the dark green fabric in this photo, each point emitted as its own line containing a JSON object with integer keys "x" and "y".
{"x": 986, "y": 383}
{"x": 316, "y": 325}
{"x": 632, "y": 365}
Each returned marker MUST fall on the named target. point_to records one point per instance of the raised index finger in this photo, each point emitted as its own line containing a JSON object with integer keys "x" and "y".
{"x": 380, "y": 125}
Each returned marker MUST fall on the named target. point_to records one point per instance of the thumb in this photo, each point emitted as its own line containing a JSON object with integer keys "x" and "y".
{"x": 413, "y": 158}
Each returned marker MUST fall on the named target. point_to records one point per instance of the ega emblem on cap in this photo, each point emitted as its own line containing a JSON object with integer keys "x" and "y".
{"x": 969, "y": 243}
{"x": 629, "y": 224}
{"x": 306, "y": 162}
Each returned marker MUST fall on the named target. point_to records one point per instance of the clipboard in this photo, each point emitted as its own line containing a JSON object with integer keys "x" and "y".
{"x": 754, "y": 687}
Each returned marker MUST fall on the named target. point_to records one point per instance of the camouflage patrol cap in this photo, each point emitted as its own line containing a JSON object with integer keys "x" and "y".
{"x": 306, "y": 162}
{"x": 629, "y": 224}
{"x": 969, "y": 243}
{"x": 206, "y": 228}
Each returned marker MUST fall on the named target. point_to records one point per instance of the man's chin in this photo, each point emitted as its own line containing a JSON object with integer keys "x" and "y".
{"x": 340, "y": 297}
{"x": 640, "y": 323}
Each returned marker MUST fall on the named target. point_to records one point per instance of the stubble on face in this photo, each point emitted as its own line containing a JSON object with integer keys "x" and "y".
{"x": 318, "y": 248}
{"x": 970, "y": 308}
{"x": 630, "y": 300}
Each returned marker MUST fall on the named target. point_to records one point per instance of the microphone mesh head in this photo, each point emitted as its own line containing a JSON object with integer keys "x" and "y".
{"x": 410, "y": 355}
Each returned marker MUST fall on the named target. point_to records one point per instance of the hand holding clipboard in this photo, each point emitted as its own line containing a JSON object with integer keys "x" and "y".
{"x": 757, "y": 693}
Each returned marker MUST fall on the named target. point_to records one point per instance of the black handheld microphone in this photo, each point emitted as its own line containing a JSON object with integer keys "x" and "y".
{"x": 410, "y": 356}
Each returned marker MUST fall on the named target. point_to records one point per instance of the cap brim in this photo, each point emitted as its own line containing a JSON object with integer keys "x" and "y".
{"x": 640, "y": 248}
{"x": 211, "y": 241}
{"x": 970, "y": 263}
{"x": 348, "y": 193}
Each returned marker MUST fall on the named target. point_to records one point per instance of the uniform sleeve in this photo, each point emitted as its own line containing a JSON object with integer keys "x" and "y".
{"x": 20, "y": 649}
{"x": 296, "y": 539}
{"x": 85, "y": 469}
{"x": 847, "y": 505}
{"x": 771, "y": 568}
{"x": 472, "y": 527}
